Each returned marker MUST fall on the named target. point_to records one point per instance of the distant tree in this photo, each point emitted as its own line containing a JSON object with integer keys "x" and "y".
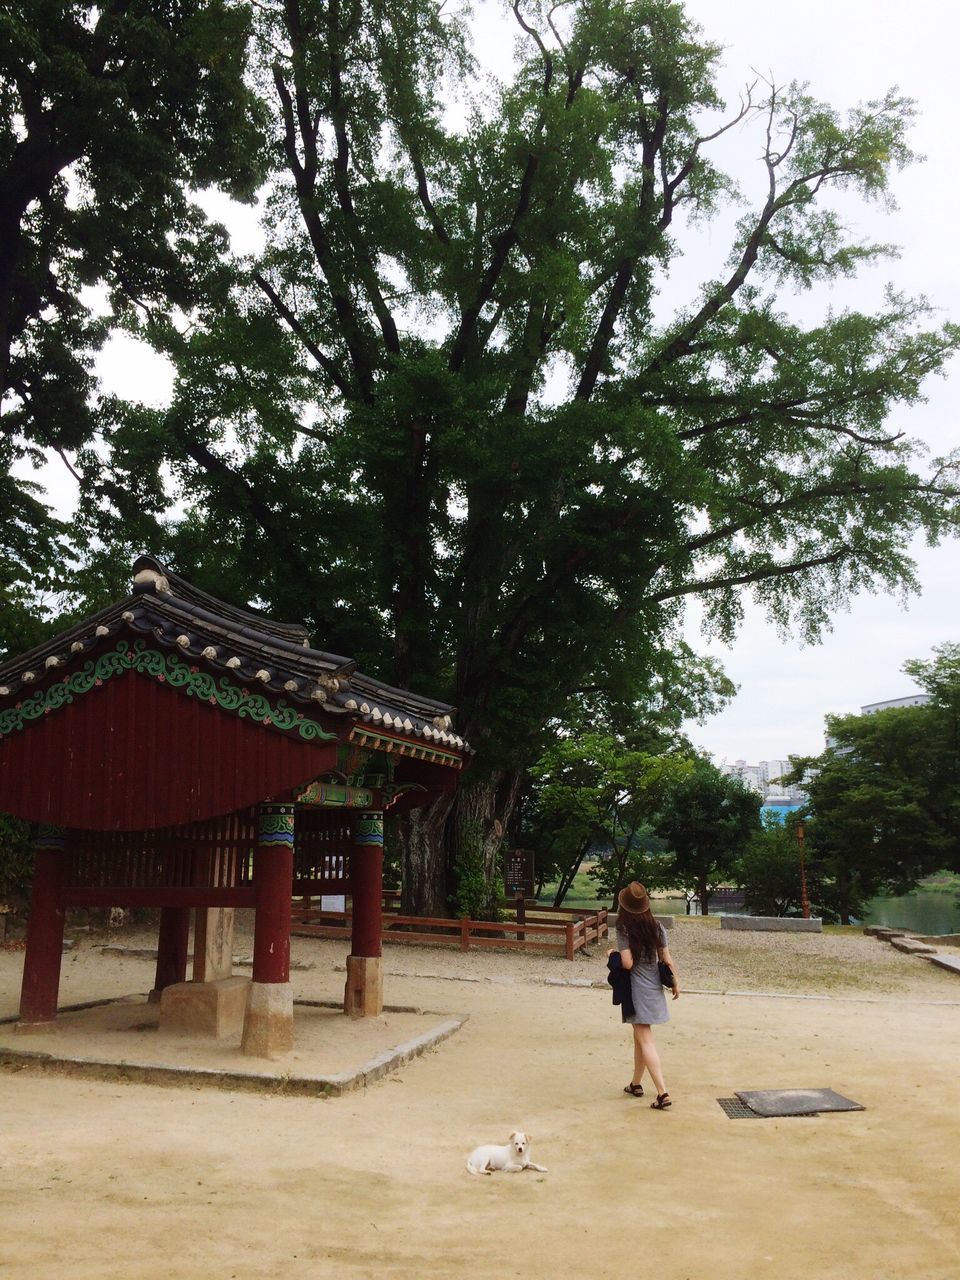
{"x": 885, "y": 797}
{"x": 706, "y": 819}
{"x": 592, "y": 793}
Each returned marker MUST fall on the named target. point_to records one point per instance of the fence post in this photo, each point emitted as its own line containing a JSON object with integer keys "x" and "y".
{"x": 464, "y": 934}
{"x": 570, "y": 928}
{"x": 603, "y": 923}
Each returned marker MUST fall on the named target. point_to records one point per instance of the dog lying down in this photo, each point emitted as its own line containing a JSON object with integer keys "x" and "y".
{"x": 512, "y": 1157}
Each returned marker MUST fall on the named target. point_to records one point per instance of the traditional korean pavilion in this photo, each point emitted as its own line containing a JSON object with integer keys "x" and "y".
{"x": 180, "y": 753}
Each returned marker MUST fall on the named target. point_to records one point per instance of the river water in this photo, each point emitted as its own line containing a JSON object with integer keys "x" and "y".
{"x": 922, "y": 912}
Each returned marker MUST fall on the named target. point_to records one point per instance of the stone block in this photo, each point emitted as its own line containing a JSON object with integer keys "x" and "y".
{"x": 213, "y": 944}
{"x": 912, "y": 947}
{"x": 772, "y": 924}
{"x": 268, "y": 1025}
{"x": 363, "y": 990}
{"x": 212, "y": 1009}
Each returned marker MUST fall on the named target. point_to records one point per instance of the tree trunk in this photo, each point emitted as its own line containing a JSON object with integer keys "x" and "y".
{"x": 567, "y": 877}
{"x": 843, "y": 897}
{"x": 439, "y": 840}
{"x": 703, "y": 893}
{"x": 424, "y": 881}
{"x": 471, "y": 830}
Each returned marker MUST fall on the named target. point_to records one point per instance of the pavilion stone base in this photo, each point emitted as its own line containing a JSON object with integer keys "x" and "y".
{"x": 213, "y": 1009}
{"x": 363, "y": 991}
{"x": 268, "y": 1026}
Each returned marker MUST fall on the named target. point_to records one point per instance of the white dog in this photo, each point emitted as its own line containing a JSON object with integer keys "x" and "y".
{"x": 512, "y": 1157}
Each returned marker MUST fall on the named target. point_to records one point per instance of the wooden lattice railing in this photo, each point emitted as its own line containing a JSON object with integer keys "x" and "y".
{"x": 538, "y": 932}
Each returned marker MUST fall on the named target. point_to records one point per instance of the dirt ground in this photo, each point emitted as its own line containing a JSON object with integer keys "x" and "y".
{"x": 103, "y": 1180}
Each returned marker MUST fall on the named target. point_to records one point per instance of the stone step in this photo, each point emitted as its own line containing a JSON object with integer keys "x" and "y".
{"x": 952, "y": 963}
{"x": 912, "y": 947}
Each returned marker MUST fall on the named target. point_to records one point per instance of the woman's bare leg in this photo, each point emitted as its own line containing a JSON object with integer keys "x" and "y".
{"x": 651, "y": 1058}
{"x": 638, "y": 1062}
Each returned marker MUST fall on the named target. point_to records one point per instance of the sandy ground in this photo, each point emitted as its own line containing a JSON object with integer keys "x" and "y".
{"x": 122, "y": 1180}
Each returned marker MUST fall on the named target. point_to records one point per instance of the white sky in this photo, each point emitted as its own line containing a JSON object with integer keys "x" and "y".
{"x": 849, "y": 51}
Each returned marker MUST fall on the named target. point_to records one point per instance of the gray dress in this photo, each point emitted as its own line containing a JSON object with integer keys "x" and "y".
{"x": 649, "y": 1002}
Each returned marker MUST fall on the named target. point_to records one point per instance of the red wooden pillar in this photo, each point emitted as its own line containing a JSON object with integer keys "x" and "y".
{"x": 44, "y": 953}
{"x": 363, "y": 993}
{"x": 172, "y": 943}
{"x": 268, "y": 1025}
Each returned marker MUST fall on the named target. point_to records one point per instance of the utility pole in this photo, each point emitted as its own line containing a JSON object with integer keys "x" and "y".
{"x": 804, "y": 900}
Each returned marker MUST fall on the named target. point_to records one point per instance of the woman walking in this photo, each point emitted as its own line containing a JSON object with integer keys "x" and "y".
{"x": 643, "y": 944}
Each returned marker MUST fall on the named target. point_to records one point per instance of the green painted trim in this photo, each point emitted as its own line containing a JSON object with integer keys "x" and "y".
{"x": 169, "y": 669}
{"x": 333, "y": 795}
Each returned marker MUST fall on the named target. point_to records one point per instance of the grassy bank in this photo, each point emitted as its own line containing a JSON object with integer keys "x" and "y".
{"x": 583, "y": 894}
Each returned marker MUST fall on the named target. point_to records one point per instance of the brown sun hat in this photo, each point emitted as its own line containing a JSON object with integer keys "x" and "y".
{"x": 633, "y": 899}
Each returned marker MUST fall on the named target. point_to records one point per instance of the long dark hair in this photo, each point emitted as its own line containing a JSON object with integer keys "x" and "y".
{"x": 643, "y": 933}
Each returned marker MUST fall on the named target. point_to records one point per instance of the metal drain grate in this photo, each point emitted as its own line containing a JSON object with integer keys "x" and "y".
{"x": 737, "y": 1110}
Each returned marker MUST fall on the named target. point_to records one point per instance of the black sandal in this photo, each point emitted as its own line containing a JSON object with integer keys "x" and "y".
{"x": 662, "y": 1102}
{"x": 634, "y": 1090}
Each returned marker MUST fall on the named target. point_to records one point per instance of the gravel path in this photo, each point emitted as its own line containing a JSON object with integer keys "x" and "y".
{"x": 706, "y": 958}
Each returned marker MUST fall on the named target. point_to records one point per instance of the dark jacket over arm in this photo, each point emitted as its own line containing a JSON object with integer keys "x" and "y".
{"x": 619, "y": 978}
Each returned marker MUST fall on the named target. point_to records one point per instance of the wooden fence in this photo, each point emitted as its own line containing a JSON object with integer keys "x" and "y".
{"x": 540, "y": 930}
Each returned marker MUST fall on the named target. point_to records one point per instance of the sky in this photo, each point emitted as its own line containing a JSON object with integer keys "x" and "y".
{"x": 848, "y": 51}
{"x": 851, "y": 51}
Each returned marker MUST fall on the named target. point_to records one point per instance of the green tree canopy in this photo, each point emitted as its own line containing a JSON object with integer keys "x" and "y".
{"x": 591, "y": 793}
{"x": 111, "y": 116}
{"x": 439, "y": 419}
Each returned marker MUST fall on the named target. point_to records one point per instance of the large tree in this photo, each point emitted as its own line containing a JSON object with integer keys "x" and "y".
{"x": 111, "y": 115}
{"x": 440, "y": 420}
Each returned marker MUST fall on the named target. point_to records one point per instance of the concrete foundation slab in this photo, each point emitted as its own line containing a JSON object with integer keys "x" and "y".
{"x": 205, "y": 1008}
{"x": 334, "y": 1055}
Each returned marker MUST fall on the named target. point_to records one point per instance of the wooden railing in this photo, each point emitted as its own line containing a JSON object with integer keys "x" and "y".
{"x": 537, "y": 932}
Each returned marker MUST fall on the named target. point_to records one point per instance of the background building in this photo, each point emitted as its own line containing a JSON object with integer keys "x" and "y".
{"x": 766, "y": 779}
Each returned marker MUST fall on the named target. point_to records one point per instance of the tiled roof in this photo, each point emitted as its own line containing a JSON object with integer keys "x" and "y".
{"x": 251, "y": 648}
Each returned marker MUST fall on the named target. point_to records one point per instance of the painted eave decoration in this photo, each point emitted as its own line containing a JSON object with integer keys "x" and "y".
{"x": 243, "y": 662}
